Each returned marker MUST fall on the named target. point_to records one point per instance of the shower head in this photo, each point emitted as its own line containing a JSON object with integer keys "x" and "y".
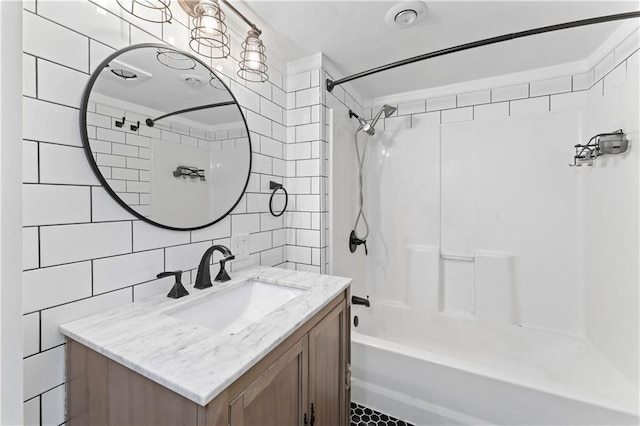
{"x": 369, "y": 128}
{"x": 388, "y": 110}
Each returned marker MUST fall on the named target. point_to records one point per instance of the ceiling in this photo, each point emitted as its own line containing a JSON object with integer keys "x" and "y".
{"x": 354, "y": 37}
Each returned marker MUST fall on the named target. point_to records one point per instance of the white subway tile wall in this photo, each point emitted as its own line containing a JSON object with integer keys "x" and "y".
{"x": 82, "y": 252}
{"x": 306, "y": 177}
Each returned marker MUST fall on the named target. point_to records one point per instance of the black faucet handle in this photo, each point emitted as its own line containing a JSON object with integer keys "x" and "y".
{"x": 178, "y": 290}
{"x": 178, "y": 274}
{"x": 354, "y": 242}
{"x": 223, "y": 275}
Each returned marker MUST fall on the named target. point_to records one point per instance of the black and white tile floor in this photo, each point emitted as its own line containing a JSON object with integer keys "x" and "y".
{"x": 364, "y": 416}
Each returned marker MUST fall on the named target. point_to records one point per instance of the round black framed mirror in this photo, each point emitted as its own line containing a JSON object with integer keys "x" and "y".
{"x": 166, "y": 137}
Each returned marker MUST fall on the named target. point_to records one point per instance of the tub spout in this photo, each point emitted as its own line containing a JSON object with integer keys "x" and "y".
{"x": 355, "y": 300}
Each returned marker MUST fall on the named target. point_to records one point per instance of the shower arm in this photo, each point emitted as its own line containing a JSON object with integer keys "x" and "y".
{"x": 376, "y": 118}
{"x": 492, "y": 40}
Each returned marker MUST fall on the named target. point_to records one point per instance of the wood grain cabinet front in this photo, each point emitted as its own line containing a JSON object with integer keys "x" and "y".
{"x": 278, "y": 396}
{"x": 304, "y": 381}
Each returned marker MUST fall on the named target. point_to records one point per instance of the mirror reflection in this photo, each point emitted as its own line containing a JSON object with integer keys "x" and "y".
{"x": 166, "y": 137}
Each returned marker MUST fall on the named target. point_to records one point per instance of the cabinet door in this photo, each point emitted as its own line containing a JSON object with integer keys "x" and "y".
{"x": 327, "y": 362}
{"x": 278, "y": 396}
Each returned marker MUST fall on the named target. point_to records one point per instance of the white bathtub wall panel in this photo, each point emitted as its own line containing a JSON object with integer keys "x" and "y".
{"x": 527, "y": 207}
{"x": 611, "y": 205}
{"x": 401, "y": 175}
{"x": 495, "y": 283}
{"x": 457, "y": 189}
{"x": 457, "y": 288}
{"x": 424, "y": 279}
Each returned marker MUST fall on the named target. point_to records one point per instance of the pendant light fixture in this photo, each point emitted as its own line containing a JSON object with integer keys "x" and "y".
{"x": 252, "y": 63}
{"x": 209, "y": 36}
{"x": 208, "y": 31}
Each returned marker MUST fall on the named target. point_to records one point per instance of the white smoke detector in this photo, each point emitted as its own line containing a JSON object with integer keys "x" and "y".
{"x": 406, "y": 14}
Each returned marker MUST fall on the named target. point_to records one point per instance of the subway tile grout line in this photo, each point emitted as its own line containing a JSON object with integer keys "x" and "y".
{"x": 87, "y": 73}
{"x": 51, "y": 102}
{"x": 44, "y": 351}
{"x": 92, "y": 291}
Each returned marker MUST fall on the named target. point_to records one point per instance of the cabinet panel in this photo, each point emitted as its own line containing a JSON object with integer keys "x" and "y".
{"x": 103, "y": 392}
{"x": 278, "y": 396}
{"x": 327, "y": 357}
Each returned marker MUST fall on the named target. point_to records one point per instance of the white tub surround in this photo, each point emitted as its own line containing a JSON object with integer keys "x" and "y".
{"x": 193, "y": 361}
{"x": 492, "y": 298}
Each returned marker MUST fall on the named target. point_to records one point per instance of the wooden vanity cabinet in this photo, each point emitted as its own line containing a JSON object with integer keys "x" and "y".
{"x": 303, "y": 381}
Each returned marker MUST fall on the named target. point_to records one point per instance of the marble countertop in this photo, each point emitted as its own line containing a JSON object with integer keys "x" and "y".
{"x": 193, "y": 361}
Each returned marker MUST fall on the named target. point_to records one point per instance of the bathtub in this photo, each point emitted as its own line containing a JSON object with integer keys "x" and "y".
{"x": 430, "y": 388}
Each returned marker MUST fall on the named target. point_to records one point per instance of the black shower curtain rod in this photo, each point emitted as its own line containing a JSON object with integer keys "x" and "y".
{"x": 628, "y": 15}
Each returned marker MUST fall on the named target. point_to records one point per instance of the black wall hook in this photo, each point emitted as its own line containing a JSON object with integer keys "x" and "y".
{"x": 120, "y": 123}
{"x": 135, "y": 127}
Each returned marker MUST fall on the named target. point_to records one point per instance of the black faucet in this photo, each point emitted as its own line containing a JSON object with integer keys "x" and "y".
{"x": 203, "y": 279}
{"x": 356, "y": 300}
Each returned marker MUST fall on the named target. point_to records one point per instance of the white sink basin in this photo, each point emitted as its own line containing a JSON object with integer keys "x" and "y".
{"x": 231, "y": 311}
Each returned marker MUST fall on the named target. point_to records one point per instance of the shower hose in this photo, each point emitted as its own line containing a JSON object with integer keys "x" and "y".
{"x": 360, "y": 193}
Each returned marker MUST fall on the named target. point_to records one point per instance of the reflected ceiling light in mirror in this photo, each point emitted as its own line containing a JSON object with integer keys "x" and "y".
{"x": 216, "y": 83}
{"x": 192, "y": 80}
{"x": 208, "y": 31}
{"x": 148, "y": 10}
{"x": 252, "y": 63}
{"x": 175, "y": 60}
